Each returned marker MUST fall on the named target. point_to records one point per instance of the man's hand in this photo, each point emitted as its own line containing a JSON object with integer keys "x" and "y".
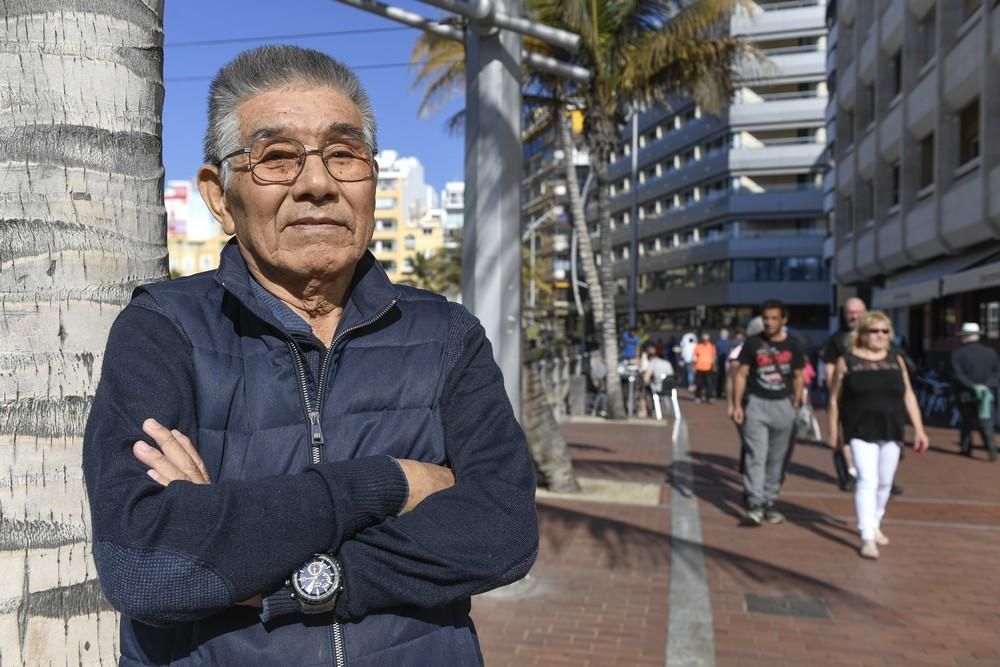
{"x": 176, "y": 458}
{"x": 737, "y": 415}
{"x": 424, "y": 479}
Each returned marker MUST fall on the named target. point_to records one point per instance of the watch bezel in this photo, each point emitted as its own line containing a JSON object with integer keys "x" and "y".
{"x": 309, "y": 598}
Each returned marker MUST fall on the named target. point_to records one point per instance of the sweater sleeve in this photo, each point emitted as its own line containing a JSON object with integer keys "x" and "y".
{"x": 477, "y": 535}
{"x": 178, "y": 553}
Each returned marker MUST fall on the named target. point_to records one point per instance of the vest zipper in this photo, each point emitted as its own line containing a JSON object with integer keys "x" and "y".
{"x": 316, "y": 440}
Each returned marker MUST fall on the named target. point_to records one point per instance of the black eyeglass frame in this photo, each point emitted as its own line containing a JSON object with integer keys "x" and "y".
{"x": 306, "y": 152}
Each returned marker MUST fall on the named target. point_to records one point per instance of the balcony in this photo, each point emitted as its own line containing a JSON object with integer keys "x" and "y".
{"x": 995, "y": 197}
{"x": 891, "y": 27}
{"x": 964, "y": 226}
{"x": 847, "y": 86}
{"x": 777, "y": 157}
{"x": 795, "y": 63}
{"x": 802, "y": 202}
{"x": 995, "y": 30}
{"x": 868, "y": 57}
{"x": 891, "y": 254}
{"x": 921, "y": 109}
{"x": 963, "y": 67}
{"x": 922, "y": 241}
{"x": 864, "y": 253}
{"x": 779, "y": 112}
{"x": 801, "y": 17}
{"x": 890, "y": 133}
{"x": 844, "y": 266}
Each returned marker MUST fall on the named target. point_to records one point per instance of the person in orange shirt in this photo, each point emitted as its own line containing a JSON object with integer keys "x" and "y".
{"x": 704, "y": 368}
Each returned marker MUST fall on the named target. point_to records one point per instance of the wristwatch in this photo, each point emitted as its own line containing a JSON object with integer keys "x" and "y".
{"x": 316, "y": 584}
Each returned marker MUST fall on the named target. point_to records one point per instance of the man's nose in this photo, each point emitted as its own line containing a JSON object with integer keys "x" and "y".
{"x": 315, "y": 179}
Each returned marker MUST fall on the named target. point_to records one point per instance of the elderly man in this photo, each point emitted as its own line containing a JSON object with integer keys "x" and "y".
{"x": 975, "y": 372}
{"x": 291, "y": 460}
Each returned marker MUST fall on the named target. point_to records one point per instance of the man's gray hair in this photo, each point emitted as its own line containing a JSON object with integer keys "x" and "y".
{"x": 266, "y": 68}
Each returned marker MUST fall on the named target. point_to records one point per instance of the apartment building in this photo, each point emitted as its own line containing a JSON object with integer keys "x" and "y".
{"x": 729, "y": 207}
{"x": 406, "y": 222}
{"x": 453, "y": 203}
{"x": 917, "y": 197}
{"x": 547, "y": 225}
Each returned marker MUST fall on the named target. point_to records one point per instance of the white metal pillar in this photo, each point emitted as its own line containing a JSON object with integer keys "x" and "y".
{"x": 491, "y": 254}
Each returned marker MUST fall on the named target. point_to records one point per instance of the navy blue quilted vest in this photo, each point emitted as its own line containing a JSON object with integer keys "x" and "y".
{"x": 380, "y": 395}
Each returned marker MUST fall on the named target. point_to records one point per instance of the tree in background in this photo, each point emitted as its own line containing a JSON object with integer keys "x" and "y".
{"x": 638, "y": 53}
{"x": 439, "y": 272}
{"x": 81, "y": 224}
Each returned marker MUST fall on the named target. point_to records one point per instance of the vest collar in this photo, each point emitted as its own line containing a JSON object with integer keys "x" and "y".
{"x": 371, "y": 292}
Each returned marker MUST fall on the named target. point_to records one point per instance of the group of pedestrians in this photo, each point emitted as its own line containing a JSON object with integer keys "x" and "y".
{"x": 763, "y": 374}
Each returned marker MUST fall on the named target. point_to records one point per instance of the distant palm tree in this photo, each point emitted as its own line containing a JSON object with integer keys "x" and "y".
{"x": 81, "y": 224}
{"x": 638, "y": 53}
{"x": 439, "y": 272}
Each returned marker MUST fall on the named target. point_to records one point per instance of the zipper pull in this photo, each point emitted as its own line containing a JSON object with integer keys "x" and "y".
{"x": 317, "y": 430}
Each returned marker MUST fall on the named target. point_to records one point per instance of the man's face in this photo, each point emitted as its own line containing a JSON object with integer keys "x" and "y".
{"x": 853, "y": 310}
{"x": 315, "y": 228}
{"x": 773, "y": 320}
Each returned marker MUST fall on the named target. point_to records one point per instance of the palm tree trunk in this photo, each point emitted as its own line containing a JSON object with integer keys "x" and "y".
{"x": 598, "y": 142}
{"x": 81, "y": 224}
{"x": 548, "y": 446}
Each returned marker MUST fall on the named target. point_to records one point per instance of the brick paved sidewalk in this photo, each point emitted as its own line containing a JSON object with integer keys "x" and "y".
{"x": 598, "y": 594}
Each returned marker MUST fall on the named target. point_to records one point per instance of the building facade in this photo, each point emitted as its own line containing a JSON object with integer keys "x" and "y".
{"x": 729, "y": 207}
{"x": 405, "y": 221}
{"x": 917, "y": 196}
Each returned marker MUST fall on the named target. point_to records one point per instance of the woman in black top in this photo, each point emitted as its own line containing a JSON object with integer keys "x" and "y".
{"x": 871, "y": 402}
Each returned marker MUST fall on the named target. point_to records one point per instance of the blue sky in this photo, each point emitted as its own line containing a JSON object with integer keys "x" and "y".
{"x": 395, "y": 102}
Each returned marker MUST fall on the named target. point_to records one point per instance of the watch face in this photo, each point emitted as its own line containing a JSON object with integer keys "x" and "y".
{"x": 317, "y": 580}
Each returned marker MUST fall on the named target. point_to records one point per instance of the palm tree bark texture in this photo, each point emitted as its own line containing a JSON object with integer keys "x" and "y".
{"x": 81, "y": 224}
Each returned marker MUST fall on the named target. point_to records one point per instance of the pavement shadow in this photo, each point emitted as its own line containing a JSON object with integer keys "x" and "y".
{"x": 620, "y": 470}
{"x": 621, "y": 545}
{"x": 718, "y": 481}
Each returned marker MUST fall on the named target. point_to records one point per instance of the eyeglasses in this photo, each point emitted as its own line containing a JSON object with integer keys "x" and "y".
{"x": 280, "y": 160}
{"x": 884, "y": 332}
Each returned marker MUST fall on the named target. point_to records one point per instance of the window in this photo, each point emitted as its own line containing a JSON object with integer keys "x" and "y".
{"x": 387, "y": 184}
{"x": 385, "y": 202}
{"x": 926, "y": 161}
{"x": 896, "y": 73}
{"x": 869, "y": 105}
{"x": 894, "y": 174}
{"x": 382, "y": 246}
{"x": 409, "y": 242}
{"x": 428, "y": 231}
{"x": 848, "y": 215}
{"x": 389, "y": 265}
{"x": 848, "y": 128}
{"x": 968, "y": 133}
{"x": 867, "y": 201}
{"x": 384, "y": 224}
{"x": 926, "y": 37}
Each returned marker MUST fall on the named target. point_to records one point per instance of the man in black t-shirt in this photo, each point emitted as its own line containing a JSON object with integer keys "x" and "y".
{"x": 767, "y": 392}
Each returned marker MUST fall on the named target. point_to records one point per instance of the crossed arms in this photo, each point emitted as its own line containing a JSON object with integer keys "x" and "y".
{"x": 220, "y": 544}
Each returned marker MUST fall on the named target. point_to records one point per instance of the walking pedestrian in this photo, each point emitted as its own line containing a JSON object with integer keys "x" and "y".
{"x": 723, "y": 346}
{"x": 704, "y": 368}
{"x": 771, "y": 369}
{"x": 870, "y": 403}
{"x": 975, "y": 371}
{"x": 835, "y": 348}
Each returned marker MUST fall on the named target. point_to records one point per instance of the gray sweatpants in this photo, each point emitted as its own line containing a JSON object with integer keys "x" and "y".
{"x": 767, "y": 432}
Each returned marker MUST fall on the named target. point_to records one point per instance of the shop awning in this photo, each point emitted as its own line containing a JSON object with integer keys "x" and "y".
{"x": 981, "y": 277}
{"x": 923, "y": 283}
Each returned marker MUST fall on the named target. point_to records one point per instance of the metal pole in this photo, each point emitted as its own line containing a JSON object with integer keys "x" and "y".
{"x": 491, "y": 256}
{"x": 633, "y": 287}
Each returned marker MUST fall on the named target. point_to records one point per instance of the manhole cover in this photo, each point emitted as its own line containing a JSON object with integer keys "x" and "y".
{"x": 801, "y": 606}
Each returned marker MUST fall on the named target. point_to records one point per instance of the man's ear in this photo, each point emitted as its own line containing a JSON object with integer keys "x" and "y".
{"x": 214, "y": 196}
